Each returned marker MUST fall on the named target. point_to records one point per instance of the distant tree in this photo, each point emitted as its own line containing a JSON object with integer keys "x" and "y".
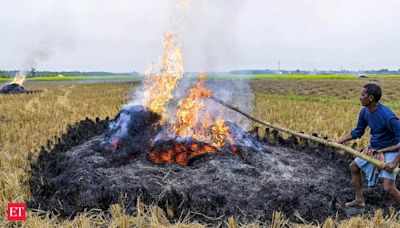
{"x": 383, "y": 71}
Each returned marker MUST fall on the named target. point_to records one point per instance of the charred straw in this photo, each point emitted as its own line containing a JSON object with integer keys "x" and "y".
{"x": 314, "y": 138}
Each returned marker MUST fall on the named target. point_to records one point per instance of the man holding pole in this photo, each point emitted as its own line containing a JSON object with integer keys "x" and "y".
{"x": 384, "y": 144}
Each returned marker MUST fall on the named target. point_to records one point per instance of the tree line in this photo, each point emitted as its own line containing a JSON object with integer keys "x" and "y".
{"x": 33, "y": 73}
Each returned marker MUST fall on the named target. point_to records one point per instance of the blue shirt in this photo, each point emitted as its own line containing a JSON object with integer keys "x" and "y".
{"x": 384, "y": 125}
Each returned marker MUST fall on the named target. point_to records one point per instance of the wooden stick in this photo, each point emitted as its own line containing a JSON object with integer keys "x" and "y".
{"x": 347, "y": 149}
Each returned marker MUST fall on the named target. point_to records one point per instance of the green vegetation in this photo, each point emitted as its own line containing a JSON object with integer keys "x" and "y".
{"x": 33, "y": 73}
{"x": 69, "y": 78}
{"x": 282, "y": 76}
{"x": 61, "y": 77}
{"x": 300, "y": 76}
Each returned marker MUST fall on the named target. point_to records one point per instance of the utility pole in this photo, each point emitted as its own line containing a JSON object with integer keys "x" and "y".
{"x": 33, "y": 72}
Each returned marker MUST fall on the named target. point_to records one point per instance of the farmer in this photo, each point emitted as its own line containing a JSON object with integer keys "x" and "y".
{"x": 385, "y": 133}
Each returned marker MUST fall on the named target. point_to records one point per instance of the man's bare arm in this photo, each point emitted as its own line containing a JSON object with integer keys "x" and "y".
{"x": 345, "y": 138}
{"x": 392, "y": 165}
{"x": 389, "y": 148}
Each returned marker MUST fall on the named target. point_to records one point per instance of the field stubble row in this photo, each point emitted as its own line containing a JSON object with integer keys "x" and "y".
{"x": 28, "y": 121}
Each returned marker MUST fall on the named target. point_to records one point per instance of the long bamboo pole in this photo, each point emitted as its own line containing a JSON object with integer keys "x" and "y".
{"x": 347, "y": 149}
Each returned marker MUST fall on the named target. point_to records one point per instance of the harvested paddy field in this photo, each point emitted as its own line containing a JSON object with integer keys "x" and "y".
{"x": 30, "y": 121}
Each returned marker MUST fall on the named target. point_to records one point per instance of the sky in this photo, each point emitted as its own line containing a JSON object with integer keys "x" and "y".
{"x": 216, "y": 35}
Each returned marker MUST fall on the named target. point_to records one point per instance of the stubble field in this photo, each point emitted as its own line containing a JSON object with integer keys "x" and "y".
{"x": 28, "y": 121}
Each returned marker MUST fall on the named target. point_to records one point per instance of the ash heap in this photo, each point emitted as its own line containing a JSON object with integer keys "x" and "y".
{"x": 185, "y": 157}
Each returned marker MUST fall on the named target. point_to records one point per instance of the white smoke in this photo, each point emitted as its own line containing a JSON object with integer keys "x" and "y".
{"x": 210, "y": 40}
{"x": 209, "y": 33}
{"x": 43, "y": 37}
{"x": 237, "y": 93}
{"x": 201, "y": 41}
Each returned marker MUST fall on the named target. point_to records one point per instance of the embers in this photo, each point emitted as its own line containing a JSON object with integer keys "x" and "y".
{"x": 179, "y": 151}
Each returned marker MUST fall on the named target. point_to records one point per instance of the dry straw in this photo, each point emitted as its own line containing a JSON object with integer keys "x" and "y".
{"x": 28, "y": 121}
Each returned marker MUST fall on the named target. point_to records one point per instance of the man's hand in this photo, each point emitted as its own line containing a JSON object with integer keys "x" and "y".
{"x": 344, "y": 139}
{"x": 368, "y": 151}
{"x": 391, "y": 166}
{"x": 379, "y": 156}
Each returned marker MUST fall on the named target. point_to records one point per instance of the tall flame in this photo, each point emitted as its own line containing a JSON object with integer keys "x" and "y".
{"x": 200, "y": 132}
{"x": 18, "y": 79}
{"x": 158, "y": 86}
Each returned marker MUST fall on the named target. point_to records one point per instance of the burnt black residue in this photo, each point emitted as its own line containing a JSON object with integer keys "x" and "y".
{"x": 267, "y": 174}
{"x": 14, "y": 89}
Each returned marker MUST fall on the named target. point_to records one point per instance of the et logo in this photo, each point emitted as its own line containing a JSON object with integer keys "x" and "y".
{"x": 16, "y": 212}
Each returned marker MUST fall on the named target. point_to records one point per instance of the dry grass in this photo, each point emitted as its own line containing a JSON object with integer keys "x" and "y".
{"x": 327, "y": 119}
{"x": 328, "y": 107}
{"x": 338, "y": 89}
{"x": 29, "y": 121}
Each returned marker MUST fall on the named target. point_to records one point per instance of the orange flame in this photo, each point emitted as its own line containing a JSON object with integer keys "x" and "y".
{"x": 159, "y": 86}
{"x": 18, "y": 80}
{"x": 183, "y": 4}
{"x": 180, "y": 153}
{"x": 220, "y": 133}
{"x": 189, "y": 108}
{"x": 189, "y": 123}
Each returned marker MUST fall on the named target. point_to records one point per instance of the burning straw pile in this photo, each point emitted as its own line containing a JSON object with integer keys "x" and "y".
{"x": 15, "y": 86}
{"x": 188, "y": 160}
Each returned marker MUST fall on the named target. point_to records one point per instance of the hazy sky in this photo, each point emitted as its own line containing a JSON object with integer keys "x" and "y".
{"x": 125, "y": 35}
